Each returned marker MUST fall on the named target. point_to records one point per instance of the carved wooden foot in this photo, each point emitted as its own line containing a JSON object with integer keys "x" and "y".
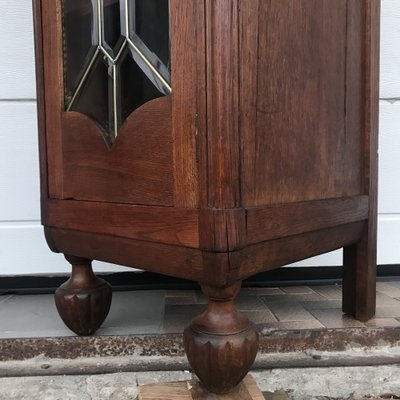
{"x": 221, "y": 344}
{"x": 84, "y": 301}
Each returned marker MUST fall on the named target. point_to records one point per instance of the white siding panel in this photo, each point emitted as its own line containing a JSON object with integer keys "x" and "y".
{"x": 328, "y": 259}
{"x": 389, "y": 239}
{"x": 24, "y": 251}
{"x": 389, "y": 159}
{"x": 19, "y": 162}
{"x": 17, "y": 79}
{"x": 390, "y": 49}
{"x": 388, "y": 245}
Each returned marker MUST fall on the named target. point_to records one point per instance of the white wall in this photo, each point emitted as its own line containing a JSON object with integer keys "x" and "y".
{"x": 22, "y": 246}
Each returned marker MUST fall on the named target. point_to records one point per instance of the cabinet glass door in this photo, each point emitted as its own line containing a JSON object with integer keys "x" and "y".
{"x": 116, "y": 58}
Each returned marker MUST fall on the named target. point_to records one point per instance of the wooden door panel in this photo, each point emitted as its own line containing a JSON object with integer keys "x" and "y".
{"x": 137, "y": 169}
{"x": 302, "y": 141}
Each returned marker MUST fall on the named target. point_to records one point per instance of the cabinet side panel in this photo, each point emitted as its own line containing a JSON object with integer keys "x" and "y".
{"x": 223, "y": 148}
{"x": 52, "y": 73}
{"x": 302, "y": 107}
{"x": 354, "y": 161}
{"x": 188, "y": 100}
{"x": 38, "y": 33}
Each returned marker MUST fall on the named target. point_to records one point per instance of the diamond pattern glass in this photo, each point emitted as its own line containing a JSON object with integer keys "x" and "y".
{"x": 149, "y": 22}
{"x": 116, "y": 58}
{"x": 79, "y": 45}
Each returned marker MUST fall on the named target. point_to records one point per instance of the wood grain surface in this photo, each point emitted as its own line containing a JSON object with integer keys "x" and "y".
{"x": 192, "y": 390}
{"x": 302, "y": 101}
{"x": 359, "y": 279}
{"x": 280, "y": 220}
{"x": 170, "y": 225}
{"x": 165, "y": 259}
{"x": 138, "y": 167}
{"x": 52, "y": 84}
{"x": 223, "y": 141}
{"x": 189, "y": 97}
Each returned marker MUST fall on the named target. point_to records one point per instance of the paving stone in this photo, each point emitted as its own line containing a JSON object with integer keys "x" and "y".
{"x": 382, "y": 323}
{"x": 388, "y": 289}
{"x": 290, "y": 312}
{"x": 331, "y": 292}
{"x": 180, "y": 297}
{"x": 5, "y": 297}
{"x": 176, "y": 324}
{"x": 180, "y": 293}
{"x": 178, "y": 317}
{"x": 394, "y": 282}
{"x": 292, "y": 325}
{"x": 135, "y": 312}
{"x": 38, "y": 312}
{"x": 180, "y": 300}
{"x": 322, "y": 305}
{"x": 244, "y": 302}
{"x": 387, "y": 312}
{"x": 297, "y": 290}
{"x": 383, "y": 300}
{"x": 292, "y": 298}
{"x": 268, "y": 291}
{"x": 191, "y": 310}
{"x": 142, "y": 312}
{"x": 334, "y": 318}
{"x": 260, "y": 317}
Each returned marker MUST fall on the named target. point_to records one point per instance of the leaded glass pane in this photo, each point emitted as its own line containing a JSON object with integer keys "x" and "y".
{"x": 135, "y": 88}
{"x": 112, "y": 34}
{"x": 150, "y": 21}
{"x": 78, "y": 42}
{"x": 93, "y": 99}
{"x": 116, "y": 58}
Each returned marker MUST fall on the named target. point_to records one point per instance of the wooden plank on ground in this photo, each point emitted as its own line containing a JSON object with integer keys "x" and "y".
{"x": 193, "y": 390}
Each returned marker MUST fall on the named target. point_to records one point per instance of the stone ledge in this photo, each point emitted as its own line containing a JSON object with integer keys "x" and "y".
{"x": 278, "y": 349}
{"x": 171, "y": 345}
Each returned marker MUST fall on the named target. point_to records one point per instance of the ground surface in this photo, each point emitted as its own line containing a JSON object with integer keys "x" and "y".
{"x": 352, "y": 383}
{"x": 294, "y": 323}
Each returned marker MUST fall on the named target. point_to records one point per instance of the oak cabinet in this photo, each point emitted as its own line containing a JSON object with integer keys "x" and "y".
{"x": 208, "y": 140}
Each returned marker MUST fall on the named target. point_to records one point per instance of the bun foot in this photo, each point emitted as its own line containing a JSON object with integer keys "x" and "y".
{"x": 221, "y": 344}
{"x": 83, "y": 302}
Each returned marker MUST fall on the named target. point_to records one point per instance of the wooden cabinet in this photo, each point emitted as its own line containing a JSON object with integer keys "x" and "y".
{"x": 208, "y": 140}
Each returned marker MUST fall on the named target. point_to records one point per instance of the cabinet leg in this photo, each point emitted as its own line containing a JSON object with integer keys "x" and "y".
{"x": 84, "y": 301}
{"x": 359, "y": 278}
{"x": 221, "y": 344}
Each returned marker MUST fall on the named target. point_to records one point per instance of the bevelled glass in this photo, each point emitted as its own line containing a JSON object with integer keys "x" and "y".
{"x": 116, "y": 58}
{"x": 150, "y": 22}
{"x": 78, "y": 43}
{"x": 111, "y": 21}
